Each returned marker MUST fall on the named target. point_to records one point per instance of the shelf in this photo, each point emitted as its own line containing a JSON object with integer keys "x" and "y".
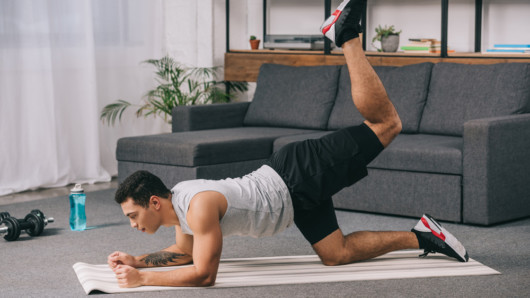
{"x": 479, "y": 7}
{"x": 387, "y": 54}
{"x": 243, "y": 65}
{"x": 401, "y": 54}
{"x": 490, "y": 55}
{"x": 276, "y": 51}
{"x": 333, "y": 52}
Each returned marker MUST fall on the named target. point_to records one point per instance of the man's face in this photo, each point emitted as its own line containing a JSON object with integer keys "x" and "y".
{"x": 143, "y": 219}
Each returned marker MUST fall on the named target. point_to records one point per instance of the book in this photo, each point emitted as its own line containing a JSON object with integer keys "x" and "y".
{"x": 413, "y": 48}
{"x": 417, "y": 51}
{"x": 424, "y": 46}
{"x": 508, "y": 48}
{"x": 439, "y": 51}
{"x": 507, "y": 51}
{"x": 512, "y": 46}
{"x": 423, "y": 39}
{"x": 420, "y": 44}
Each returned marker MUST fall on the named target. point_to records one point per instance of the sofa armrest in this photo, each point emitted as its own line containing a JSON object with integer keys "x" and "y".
{"x": 188, "y": 118}
{"x": 496, "y": 169}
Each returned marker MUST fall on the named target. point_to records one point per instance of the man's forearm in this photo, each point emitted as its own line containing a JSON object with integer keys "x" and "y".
{"x": 166, "y": 257}
{"x": 161, "y": 258}
{"x": 182, "y": 277}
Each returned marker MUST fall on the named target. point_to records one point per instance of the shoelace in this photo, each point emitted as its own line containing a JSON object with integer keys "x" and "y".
{"x": 426, "y": 252}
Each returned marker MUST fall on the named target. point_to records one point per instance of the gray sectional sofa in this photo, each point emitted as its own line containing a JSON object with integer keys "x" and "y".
{"x": 463, "y": 154}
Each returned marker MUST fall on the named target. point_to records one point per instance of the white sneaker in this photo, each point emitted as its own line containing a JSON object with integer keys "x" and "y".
{"x": 437, "y": 239}
{"x": 344, "y": 23}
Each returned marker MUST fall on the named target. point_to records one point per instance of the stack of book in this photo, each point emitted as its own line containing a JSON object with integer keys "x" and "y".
{"x": 510, "y": 48}
{"x": 423, "y": 46}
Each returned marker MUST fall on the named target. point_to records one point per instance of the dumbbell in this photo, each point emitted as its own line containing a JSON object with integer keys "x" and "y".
{"x": 33, "y": 224}
{"x": 4, "y": 215}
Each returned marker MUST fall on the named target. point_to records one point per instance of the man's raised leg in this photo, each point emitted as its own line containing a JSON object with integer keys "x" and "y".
{"x": 369, "y": 94}
{"x": 371, "y": 99}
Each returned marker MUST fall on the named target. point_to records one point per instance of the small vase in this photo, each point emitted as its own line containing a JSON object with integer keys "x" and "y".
{"x": 390, "y": 43}
{"x": 254, "y": 44}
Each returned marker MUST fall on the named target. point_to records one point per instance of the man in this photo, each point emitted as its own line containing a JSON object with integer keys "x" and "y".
{"x": 296, "y": 184}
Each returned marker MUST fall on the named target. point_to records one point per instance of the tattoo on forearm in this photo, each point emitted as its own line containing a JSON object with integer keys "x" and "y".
{"x": 162, "y": 258}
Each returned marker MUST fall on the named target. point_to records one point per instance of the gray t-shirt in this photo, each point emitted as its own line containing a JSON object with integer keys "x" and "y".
{"x": 259, "y": 204}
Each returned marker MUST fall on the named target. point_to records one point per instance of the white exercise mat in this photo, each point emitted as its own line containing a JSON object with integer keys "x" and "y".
{"x": 248, "y": 272}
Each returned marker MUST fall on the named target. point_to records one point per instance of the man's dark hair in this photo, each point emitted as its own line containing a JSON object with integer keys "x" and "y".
{"x": 140, "y": 186}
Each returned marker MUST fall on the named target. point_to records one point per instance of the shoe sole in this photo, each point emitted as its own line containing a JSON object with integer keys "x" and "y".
{"x": 429, "y": 223}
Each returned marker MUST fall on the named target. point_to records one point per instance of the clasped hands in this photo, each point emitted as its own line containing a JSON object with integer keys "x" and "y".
{"x": 123, "y": 266}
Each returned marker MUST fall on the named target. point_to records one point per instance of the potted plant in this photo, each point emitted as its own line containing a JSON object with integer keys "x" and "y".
{"x": 254, "y": 42}
{"x": 388, "y": 37}
{"x": 177, "y": 85}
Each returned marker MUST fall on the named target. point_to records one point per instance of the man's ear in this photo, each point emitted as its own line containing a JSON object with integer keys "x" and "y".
{"x": 155, "y": 201}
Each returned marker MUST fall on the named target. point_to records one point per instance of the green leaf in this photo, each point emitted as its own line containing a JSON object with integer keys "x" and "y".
{"x": 114, "y": 110}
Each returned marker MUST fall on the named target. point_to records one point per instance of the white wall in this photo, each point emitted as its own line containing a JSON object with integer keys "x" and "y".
{"x": 189, "y": 31}
{"x": 506, "y": 21}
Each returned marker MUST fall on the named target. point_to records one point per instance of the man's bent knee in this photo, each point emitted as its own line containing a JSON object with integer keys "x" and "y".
{"x": 396, "y": 126}
{"x": 331, "y": 250}
{"x": 332, "y": 260}
{"x": 386, "y": 131}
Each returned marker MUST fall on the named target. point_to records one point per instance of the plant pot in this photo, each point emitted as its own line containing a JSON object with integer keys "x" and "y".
{"x": 390, "y": 43}
{"x": 254, "y": 44}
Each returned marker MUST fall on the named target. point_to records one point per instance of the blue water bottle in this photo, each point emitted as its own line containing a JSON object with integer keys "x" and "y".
{"x": 77, "y": 208}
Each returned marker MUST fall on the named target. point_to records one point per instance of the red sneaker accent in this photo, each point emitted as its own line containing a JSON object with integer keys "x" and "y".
{"x": 439, "y": 235}
{"x": 336, "y": 14}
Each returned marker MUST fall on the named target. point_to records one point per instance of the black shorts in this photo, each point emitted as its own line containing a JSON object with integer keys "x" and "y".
{"x": 316, "y": 169}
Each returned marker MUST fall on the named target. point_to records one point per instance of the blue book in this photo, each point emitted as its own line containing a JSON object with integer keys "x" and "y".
{"x": 512, "y": 46}
{"x": 505, "y": 51}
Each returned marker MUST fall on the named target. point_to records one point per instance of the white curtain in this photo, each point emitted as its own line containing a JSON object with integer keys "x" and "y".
{"x": 61, "y": 61}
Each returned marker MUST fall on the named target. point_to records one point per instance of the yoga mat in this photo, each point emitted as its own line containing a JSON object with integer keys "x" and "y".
{"x": 248, "y": 272}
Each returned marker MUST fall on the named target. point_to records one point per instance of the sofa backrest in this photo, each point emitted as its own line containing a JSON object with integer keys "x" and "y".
{"x": 460, "y": 92}
{"x": 406, "y": 87}
{"x": 289, "y": 96}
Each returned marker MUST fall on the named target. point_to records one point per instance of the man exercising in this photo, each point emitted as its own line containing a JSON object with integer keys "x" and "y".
{"x": 295, "y": 185}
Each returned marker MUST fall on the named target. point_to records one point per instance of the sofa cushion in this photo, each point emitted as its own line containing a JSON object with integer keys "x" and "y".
{"x": 408, "y": 152}
{"x": 289, "y": 96}
{"x": 422, "y": 153}
{"x": 460, "y": 92}
{"x": 282, "y": 141}
{"x": 406, "y": 87}
{"x": 204, "y": 147}
{"x": 405, "y": 193}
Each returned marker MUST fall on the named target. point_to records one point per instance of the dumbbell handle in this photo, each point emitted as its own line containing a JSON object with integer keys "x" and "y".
{"x": 24, "y": 223}
{"x": 4, "y": 230}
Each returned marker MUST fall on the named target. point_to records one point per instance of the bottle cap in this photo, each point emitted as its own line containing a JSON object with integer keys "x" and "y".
{"x": 77, "y": 189}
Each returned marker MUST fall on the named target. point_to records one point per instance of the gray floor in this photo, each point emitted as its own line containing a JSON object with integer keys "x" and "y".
{"x": 43, "y": 193}
{"x": 41, "y": 266}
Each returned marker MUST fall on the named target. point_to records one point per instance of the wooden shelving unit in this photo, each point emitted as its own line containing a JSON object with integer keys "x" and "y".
{"x": 243, "y": 65}
{"x": 267, "y": 51}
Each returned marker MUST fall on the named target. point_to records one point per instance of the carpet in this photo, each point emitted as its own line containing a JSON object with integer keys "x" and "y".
{"x": 248, "y": 272}
{"x": 42, "y": 266}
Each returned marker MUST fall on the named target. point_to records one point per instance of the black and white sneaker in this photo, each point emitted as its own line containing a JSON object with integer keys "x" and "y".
{"x": 344, "y": 23}
{"x": 434, "y": 238}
